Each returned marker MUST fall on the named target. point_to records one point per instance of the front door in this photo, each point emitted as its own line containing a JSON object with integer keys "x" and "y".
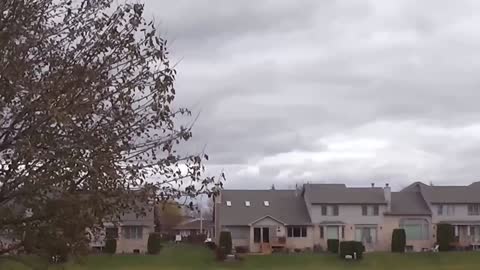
{"x": 265, "y": 235}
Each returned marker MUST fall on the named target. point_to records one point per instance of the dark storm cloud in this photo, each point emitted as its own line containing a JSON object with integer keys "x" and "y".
{"x": 353, "y": 91}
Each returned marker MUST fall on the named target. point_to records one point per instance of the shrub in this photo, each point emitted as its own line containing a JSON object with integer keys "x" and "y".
{"x": 58, "y": 251}
{"x": 220, "y": 254}
{"x": 241, "y": 249}
{"x": 399, "y": 240}
{"x": 110, "y": 246}
{"x": 332, "y": 245}
{"x": 211, "y": 245}
{"x": 445, "y": 236}
{"x": 352, "y": 248}
{"x": 317, "y": 248}
{"x": 154, "y": 243}
{"x": 226, "y": 242}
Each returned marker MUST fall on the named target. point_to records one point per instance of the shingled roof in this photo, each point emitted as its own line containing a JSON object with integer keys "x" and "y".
{"x": 408, "y": 203}
{"x": 341, "y": 194}
{"x": 447, "y": 194}
{"x": 286, "y": 206}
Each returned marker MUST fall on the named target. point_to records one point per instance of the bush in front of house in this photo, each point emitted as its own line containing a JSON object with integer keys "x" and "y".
{"x": 211, "y": 245}
{"x": 110, "y": 246}
{"x": 332, "y": 245}
{"x": 225, "y": 242}
{"x": 220, "y": 254}
{"x": 154, "y": 244}
{"x": 317, "y": 248}
{"x": 352, "y": 248}
{"x": 241, "y": 249}
{"x": 445, "y": 236}
{"x": 58, "y": 251}
{"x": 399, "y": 240}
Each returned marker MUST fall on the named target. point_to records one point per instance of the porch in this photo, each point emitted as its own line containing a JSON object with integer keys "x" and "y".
{"x": 467, "y": 236}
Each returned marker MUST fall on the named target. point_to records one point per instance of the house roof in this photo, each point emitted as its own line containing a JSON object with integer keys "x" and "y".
{"x": 285, "y": 205}
{"x": 448, "y": 194}
{"x": 341, "y": 194}
{"x": 194, "y": 225}
{"x": 408, "y": 203}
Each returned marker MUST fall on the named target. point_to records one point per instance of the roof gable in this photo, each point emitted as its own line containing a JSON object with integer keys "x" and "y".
{"x": 408, "y": 203}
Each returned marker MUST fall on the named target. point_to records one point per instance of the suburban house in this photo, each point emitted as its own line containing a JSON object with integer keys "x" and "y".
{"x": 307, "y": 217}
{"x": 456, "y": 205}
{"x": 131, "y": 232}
{"x": 195, "y": 227}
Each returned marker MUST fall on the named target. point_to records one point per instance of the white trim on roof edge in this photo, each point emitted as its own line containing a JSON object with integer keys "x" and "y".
{"x": 267, "y": 216}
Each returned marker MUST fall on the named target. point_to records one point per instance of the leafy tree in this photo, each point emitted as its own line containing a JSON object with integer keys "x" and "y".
{"x": 168, "y": 215}
{"x": 86, "y": 119}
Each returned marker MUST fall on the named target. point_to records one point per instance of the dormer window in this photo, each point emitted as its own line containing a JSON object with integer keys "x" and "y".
{"x": 266, "y": 203}
{"x": 247, "y": 203}
{"x": 229, "y": 203}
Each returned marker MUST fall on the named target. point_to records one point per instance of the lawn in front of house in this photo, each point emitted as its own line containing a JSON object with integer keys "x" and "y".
{"x": 190, "y": 257}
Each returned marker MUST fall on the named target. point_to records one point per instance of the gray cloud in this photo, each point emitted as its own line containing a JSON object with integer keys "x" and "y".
{"x": 351, "y": 91}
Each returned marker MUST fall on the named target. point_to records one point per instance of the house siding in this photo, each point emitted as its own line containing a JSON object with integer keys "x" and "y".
{"x": 301, "y": 242}
{"x": 240, "y": 235}
{"x": 460, "y": 213}
{"x": 393, "y": 222}
{"x": 129, "y": 245}
{"x": 349, "y": 214}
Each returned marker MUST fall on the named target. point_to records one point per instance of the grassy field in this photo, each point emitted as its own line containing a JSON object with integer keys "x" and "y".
{"x": 184, "y": 257}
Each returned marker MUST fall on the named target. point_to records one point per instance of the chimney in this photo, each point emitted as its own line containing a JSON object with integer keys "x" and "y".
{"x": 388, "y": 196}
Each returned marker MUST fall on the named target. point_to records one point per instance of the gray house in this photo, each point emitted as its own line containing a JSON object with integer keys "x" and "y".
{"x": 456, "y": 205}
{"x": 264, "y": 219}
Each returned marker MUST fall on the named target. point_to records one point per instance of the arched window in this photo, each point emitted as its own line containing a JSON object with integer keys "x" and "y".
{"x": 416, "y": 228}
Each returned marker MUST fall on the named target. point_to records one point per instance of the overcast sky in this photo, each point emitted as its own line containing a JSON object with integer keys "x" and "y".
{"x": 329, "y": 91}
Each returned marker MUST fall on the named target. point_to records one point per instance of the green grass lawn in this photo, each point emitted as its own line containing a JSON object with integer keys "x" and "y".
{"x": 187, "y": 257}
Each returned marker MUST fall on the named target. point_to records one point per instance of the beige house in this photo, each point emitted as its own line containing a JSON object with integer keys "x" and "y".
{"x": 131, "y": 232}
{"x": 262, "y": 220}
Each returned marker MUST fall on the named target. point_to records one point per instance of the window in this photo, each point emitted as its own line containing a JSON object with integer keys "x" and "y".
{"x": 133, "y": 232}
{"x": 440, "y": 209}
{"x": 450, "y": 210}
{"x": 370, "y": 210}
{"x": 256, "y": 235}
{"x": 332, "y": 232}
{"x": 445, "y": 209}
{"x": 335, "y": 210}
{"x": 266, "y": 203}
{"x": 297, "y": 232}
{"x": 415, "y": 229}
{"x": 366, "y": 235}
{"x": 474, "y": 209}
{"x": 111, "y": 233}
{"x": 343, "y": 232}
{"x": 364, "y": 210}
{"x": 324, "y": 210}
{"x": 330, "y": 210}
{"x": 229, "y": 203}
{"x": 247, "y": 203}
{"x": 321, "y": 232}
